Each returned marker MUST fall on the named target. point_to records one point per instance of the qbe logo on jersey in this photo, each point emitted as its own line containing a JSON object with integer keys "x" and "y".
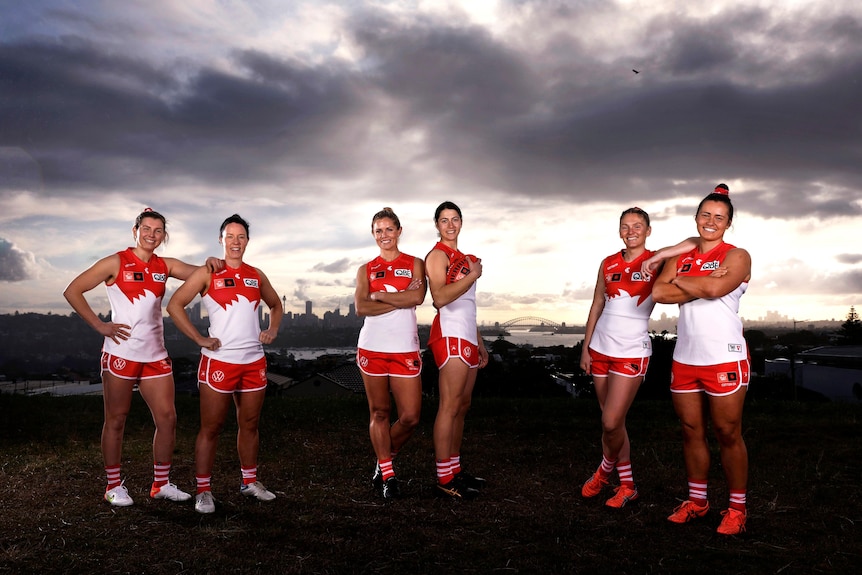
{"x": 250, "y": 282}
{"x": 710, "y": 266}
{"x": 404, "y": 273}
{"x": 161, "y": 278}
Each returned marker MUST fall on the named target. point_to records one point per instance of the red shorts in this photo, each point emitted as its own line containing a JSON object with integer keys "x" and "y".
{"x": 380, "y": 364}
{"x": 226, "y": 377}
{"x": 721, "y": 379}
{"x": 446, "y": 348}
{"x": 601, "y": 365}
{"x": 134, "y": 370}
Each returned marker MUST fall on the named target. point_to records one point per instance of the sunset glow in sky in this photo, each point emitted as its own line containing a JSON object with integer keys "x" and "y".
{"x": 307, "y": 117}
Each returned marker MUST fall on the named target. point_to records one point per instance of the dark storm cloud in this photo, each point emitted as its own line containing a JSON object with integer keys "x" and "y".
{"x": 15, "y": 264}
{"x": 500, "y": 119}
{"x": 742, "y": 94}
{"x": 107, "y": 121}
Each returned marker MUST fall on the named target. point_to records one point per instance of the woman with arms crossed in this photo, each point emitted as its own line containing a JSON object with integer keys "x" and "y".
{"x": 457, "y": 347}
{"x": 617, "y": 347}
{"x": 711, "y": 369}
{"x": 233, "y": 365}
{"x": 388, "y": 289}
{"x": 134, "y": 349}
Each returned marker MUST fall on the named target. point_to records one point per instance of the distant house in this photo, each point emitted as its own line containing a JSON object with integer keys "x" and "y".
{"x": 343, "y": 380}
{"x": 832, "y": 371}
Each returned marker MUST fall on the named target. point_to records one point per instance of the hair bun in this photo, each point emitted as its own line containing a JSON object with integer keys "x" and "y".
{"x": 722, "y": 189}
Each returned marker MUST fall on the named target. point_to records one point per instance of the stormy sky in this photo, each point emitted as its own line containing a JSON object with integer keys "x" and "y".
{"x": 543, "y": 120}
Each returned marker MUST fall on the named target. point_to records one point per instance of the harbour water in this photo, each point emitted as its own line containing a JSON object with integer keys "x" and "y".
{"x": 518, "y": 337}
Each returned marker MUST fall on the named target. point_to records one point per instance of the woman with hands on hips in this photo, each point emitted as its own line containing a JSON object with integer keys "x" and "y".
{"x": 134, "y": 349}
{"x": 233, "y": 365}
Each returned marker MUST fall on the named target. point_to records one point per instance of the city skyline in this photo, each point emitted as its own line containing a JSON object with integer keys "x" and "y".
{"x": 308, "y": 117}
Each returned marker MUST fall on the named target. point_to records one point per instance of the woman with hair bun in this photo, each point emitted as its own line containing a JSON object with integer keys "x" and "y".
{"x": 388, "y": 289}
{"x": 711, "y": 370}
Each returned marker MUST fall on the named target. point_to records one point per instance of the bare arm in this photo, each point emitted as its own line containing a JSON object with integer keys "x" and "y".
{"x": 596, "y": 309}
{"x": 196, "y": 284}
{"x": 653, "y": 264}
{"x": 276, "y": 311}
{"x": 442, "y": 294}
{"x": 104, "y": 270}
{"x": 182, "y": 271}
{"x": 735, "y": 269}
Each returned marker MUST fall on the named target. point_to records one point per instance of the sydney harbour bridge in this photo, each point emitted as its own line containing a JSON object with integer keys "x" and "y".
{"x": 530, "y": 323}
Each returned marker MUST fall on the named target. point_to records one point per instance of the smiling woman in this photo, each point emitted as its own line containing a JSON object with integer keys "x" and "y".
{"x": 232, "y": 365}
{"x": 134, "y": 349}
{"x": 711, "y": 368}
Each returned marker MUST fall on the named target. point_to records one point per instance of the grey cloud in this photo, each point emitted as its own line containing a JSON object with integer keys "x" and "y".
{"x": 338, "y": 266}
{"x": 849, "y": 258}
{"x": 717, "y": 99}
{"x": 15, "y": 264}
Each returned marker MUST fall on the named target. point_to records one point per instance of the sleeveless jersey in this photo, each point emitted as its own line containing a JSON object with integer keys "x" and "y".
{"x": 395, "y": 330}
{"x": 622, "y": 329}
{"x": 709, "y": 330}
{"x": 231, "y": 302}
{"x": 136, "y": 301}
{"x": 457, "y": 318}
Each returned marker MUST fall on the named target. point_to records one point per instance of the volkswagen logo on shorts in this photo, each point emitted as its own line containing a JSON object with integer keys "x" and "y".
{"x": 119, "y": 363}
{"x": 218, "y": 376}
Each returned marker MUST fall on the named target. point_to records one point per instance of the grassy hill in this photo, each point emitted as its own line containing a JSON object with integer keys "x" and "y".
{"x": 805, "y": 514}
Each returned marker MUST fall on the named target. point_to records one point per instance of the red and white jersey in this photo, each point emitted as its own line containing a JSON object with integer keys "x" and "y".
{"x": 395, "y": 330}
{"x": 709, "y": 330}
{"x": 622, "y": 329}
{"x": 136, "y": 301}
{"x": 457, "y": 318}
{"x": 231, "y": 302}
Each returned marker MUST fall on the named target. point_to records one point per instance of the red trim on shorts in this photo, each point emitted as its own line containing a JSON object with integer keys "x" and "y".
{"x": 601, "y": 365}
{"x": 224, "y": 377}
{"x": 446, "y": 348}
{"x": 716, "y": 380}
{"x": 135, "y": 370}
{"x": 389, "y": 364}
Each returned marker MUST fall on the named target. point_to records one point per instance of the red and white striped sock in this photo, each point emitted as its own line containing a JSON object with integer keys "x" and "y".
{"x": 607, "y": 466}
{"x": 737, "y": 500}
{"x": 249, "y": 474}
{"x": 203, "y": 483}
{"x": 624, "y": 469}
{"x": 113, "y": 474}
{"x": 386, "y": 470}
{"x": 456, "y": 463}
{"x": 161, "y": 472}
{"x": 697, "y": 491}
{"x": 444, "y": 471}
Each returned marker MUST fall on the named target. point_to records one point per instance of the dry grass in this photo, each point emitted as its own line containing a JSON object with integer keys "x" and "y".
{"x": 804, "y": 500}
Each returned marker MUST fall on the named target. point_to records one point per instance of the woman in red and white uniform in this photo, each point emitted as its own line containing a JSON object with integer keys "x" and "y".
{"x": 134, "y": 349}
{"x": 710, "y": 362}
{"x": 233, "y": 366}
{"x": 617, "y": 347}
{"x": 457, "y": 347}
{"x": 388, "y": 289}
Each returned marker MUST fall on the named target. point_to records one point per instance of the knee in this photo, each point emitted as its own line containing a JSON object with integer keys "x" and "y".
{"x": 611, "y": 424}
{"x": 409, "y": 419}
{"x": 380, "y": 414}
